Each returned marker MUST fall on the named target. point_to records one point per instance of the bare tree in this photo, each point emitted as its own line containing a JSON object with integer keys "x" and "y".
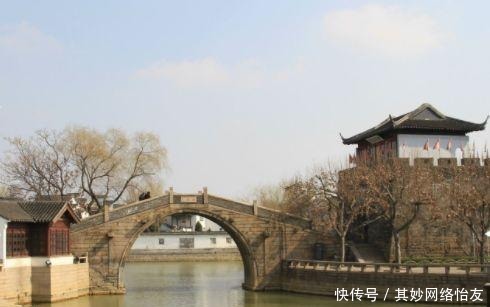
{"x": 269, "y": 195}
{"x": 332, "y": 198}
{"x": 4, "y": 191}
{"x": 298, "y": 197}
{"x": 99, "y": 165}
{"x": 396, "y": 191}
{"x": 339, "y": 200}
{"x": 469, "y": 190}
{"x": 39, "y": 165}
{"x": 153, "y": 184}
{"x": 110, "y": 162}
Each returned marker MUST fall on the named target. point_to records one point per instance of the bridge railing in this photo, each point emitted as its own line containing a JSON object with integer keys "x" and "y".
{"x": 441, "y": 269}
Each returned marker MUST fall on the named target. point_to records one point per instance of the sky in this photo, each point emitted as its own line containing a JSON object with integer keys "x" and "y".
{"x": 241, "y": 93}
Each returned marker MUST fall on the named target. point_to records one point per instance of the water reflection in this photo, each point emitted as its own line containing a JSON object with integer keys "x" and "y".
{"x": 208, "y": 284}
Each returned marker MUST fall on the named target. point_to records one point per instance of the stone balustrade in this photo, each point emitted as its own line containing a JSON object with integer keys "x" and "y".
{"x": 327, "y": 277}
{"x": 443, "y": 269}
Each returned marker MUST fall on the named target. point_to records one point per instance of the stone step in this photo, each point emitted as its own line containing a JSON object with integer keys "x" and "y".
{"x": 364, "y": 252}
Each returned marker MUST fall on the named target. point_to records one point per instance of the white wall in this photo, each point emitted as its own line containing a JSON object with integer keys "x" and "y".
{"x": 412, "y": 146}
{"x": 3, "y": 238}
{"x": 172, "y": 241}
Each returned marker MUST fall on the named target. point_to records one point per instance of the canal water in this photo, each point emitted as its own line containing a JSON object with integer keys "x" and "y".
{"x": 207, "y": 284}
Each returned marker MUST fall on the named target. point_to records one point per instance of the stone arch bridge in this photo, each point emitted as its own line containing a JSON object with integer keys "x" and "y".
{"x": 264, "y": 237}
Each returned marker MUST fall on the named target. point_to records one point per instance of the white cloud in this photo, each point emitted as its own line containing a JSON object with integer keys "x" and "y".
{"x": 208, "y": 72}
{"x": 386, "y": 30}
{"x": 24, "y": 38}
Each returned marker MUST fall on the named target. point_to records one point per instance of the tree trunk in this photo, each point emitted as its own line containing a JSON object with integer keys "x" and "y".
{"x": 398, "y": 252}
{"x": 342, "y": 248}
{"x": 481, "y": 255}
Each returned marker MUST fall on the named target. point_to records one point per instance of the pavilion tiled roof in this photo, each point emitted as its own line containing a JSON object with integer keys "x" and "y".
{"x": 437, "y": 122}
{"x": 12, "y": 211}
{"x": 33, "y": 211}
{"x": 42, "y": 211}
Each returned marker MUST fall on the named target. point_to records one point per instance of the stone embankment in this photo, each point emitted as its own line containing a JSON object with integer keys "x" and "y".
{"x": 43, "y": 283}
{"x": 204, "y": 254}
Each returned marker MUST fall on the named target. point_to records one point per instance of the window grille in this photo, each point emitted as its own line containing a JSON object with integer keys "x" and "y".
{"x": 59, "y": 242}
{"x": 16, "y": 242}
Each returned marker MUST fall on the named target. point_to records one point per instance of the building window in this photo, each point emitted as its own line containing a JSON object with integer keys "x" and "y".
{"x": 228, "y": 240}
{"x": 161, "y": 241}
{"x": 213, "y": 240}
{"x": 16, "y": 242}
{"x": 186, "y": 243}
{"x": 58, "y": 241}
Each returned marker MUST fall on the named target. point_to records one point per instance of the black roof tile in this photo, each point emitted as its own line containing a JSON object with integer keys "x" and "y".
{"x": 440, "y": 124}
{"x": 42, "y": 211}
{"x": 12, "y": 211}
{"x": 16, "y": 210}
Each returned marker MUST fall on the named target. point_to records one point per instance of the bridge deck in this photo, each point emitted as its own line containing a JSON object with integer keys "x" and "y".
{"x": 191, "y": 199}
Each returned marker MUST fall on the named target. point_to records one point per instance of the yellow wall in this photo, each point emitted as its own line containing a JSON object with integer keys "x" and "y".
{"x": 44, "y": 284}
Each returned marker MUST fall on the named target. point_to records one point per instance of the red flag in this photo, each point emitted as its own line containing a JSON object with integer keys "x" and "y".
{"x": 426, "y": 145}
{"x": 449, "y": 145}
{"x": 437, "y": 145}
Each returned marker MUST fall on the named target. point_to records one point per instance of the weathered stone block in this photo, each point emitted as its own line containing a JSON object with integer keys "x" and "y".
{"x": 470, "y": 161}
{"x": 447, "y": 162}
{"x": 423, "y": 162}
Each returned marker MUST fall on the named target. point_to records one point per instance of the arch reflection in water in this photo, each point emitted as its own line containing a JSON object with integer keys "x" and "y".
{"x": 208, "y": 284}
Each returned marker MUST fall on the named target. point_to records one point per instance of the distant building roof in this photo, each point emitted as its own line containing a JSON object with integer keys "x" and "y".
{"x": 34, "y": 211}
{"x": 65, "y": 197}
{"x": 425, "y": 118}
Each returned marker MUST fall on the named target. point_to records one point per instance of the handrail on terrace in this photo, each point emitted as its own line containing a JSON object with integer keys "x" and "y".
{"x": 336, "y": 266}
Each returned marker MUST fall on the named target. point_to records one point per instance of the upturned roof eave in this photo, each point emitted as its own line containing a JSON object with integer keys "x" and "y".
{"x": 397, "y": 124}
{"x": 356, "y": 139}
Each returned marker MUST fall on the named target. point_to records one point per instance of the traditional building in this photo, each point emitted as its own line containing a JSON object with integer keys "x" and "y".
{"x": 422, "y": 133}
{"x": 35, "y": 253}
{"x": 35, "y": 229}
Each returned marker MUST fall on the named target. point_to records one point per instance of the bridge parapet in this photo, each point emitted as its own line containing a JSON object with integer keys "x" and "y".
{"x": 202, "y": 198}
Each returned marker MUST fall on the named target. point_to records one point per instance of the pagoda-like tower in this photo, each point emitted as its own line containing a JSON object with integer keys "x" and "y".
{"x": 422, "y": 133}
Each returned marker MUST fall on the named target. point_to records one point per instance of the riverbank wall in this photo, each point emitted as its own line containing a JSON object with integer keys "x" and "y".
{"x": 34, "y": 280}
{"x": 327, "y": 278}
{"x": 204, "y": 254}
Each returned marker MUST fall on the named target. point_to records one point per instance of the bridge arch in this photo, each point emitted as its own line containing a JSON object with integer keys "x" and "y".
{"x": 249, "y": 263}
{"x": 264, "y": 237}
